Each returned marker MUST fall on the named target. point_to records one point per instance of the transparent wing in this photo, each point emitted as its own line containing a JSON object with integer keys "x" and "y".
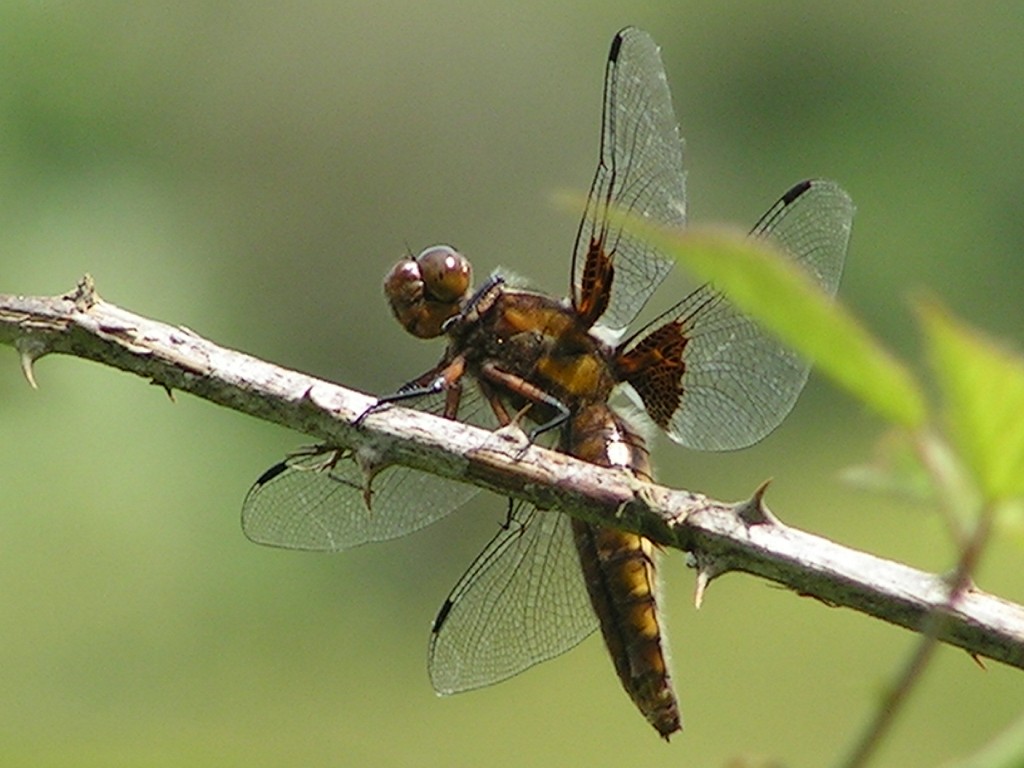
{"x": 739, "y": 382}
{"x": 315, "y": 498}
{"x": 640, "y": 170}
{"x": 522, "y": 601}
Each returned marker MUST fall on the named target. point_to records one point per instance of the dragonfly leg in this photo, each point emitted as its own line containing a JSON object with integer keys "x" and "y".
{"x": 441, "y": 379}
{"x": 530, "y": 392}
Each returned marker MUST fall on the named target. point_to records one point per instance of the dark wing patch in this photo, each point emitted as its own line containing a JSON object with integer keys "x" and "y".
{"x": 737, "y": 381}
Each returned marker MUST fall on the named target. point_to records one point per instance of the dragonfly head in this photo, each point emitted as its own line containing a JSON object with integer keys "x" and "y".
{"x": 425, "y": 291}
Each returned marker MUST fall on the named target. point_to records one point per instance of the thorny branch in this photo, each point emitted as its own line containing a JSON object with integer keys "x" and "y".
{"x": 722, "y": 537}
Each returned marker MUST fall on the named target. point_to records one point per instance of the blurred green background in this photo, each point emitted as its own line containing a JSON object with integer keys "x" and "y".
{"x": 250, "y": 171}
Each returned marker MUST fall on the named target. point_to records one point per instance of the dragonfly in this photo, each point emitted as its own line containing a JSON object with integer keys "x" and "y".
{"x": 702, "y": 371}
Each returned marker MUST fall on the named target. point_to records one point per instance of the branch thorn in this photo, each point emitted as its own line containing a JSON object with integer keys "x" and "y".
{"x": 708, "y": 569}
{"x": 84, "y": 295}
{"x": 166, "y": 388}
{"x": 370, "y": 461}
{"x": 29, "y": 350}
{"x": 753, "y": 511}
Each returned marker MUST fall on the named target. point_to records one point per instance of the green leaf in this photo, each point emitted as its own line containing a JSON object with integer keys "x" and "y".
{"x": 774, "y": 290}
{"x": 982, "y": 386}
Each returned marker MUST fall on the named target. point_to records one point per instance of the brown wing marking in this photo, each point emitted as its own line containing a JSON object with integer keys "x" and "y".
{"x": 595, "y": 283}
{"x": 654, "y": 367}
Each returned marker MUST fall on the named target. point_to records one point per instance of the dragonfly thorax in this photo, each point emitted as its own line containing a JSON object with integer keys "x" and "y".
{"x": 535, "y": 338}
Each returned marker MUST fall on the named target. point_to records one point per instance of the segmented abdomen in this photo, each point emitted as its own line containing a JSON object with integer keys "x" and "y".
{"x": 619, "y": 569}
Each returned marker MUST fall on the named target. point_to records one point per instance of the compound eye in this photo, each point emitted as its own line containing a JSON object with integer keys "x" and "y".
{"x": 426, "y": 292}
{"x": 445, "y": 272}
{"x": 403, "y": 285}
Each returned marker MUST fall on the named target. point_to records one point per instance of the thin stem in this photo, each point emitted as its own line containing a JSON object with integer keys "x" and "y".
{"x": 913, "y": 670}
{"x": 948, "y": 477}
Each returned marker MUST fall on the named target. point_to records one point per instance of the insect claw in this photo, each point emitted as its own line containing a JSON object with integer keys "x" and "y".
{"x": 513, "y": 434}
{"x": 371, "y": 409}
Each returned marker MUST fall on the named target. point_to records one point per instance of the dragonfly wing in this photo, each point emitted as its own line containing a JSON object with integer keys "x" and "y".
{"x": 734, "y": 381}
{"x": 640, "y": 170}
{"x": 522, "y": 601}
{"x": 812, "y": 223}
{"x": 316, "y": 499}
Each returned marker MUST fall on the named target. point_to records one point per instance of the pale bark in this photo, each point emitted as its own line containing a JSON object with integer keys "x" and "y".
{"x": 722, "y": 537}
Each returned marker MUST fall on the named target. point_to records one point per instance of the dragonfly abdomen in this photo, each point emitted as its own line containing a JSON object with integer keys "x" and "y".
{"x": 620, "y": 573}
